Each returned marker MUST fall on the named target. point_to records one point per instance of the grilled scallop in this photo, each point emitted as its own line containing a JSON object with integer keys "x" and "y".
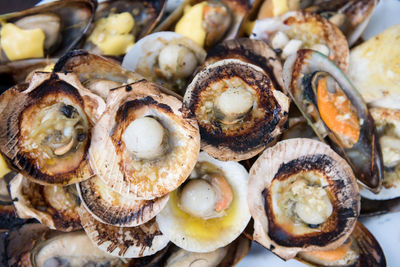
{"x": 45, "y": 130}
{"x": 126, "y": 242}
{"x": 96, "y": 73}
{"x": 251, "y": 51}
{"x": 53, "y": 206}
{"x": 302, "y": 197}
{"x": 302, "y": 30}
{"x": 142, "y": 145}
{"x": 209, "y": 210}
{"x": 166, "y": 58}
{"x": 238, "y": 109}
{"x": 109, "y": 207}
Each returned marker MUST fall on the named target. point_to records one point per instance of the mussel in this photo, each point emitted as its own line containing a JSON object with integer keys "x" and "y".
{"x": 302, "y": 197}
{"x": 46, "y": 128}
{"x": 51, "y": 29}
{"x": 334, "y": 108}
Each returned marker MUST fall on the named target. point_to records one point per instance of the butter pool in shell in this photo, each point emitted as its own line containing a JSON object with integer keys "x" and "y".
{"x": 302, "y": 197}
{"x": 199, "y": 228}
{"x": 45, "y": 128}
{"x": 142, "y": 145}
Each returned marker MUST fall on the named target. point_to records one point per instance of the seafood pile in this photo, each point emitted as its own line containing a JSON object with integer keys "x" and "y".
{"x": 133, "y": 134}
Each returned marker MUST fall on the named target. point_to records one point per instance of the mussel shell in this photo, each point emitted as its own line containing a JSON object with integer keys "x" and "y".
{"x": 123, "y": 211}
{"x": 126, "y": 104}
{"x": 126, "y": 242}
{"x": 252, "y": 51}
{"x": 14, "y": 103}
{"x": 241, "y": 142}
{"x": 76, "y": 16}
{"x": 365, "y": 156}
{"x": 357, "y": 14}
{"x": 376, "y": 207}
{"x": 367, "y": 247}
{"x": 288, "y": 158}
{"x": 32, "y": 201}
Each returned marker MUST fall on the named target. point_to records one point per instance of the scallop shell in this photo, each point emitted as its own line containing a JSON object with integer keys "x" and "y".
{"x": 292, "y": 156}
{"x": 309, "y": 28}
{"x": 126, "y": 242}
{"x": 243, "y": 140}
{"x": 173, "y": 226}
{"x": 150, "y": 179}
{"x": 47, "y": 204}
{"x": 19, "y": 107}
{"x": 109, "y": 207}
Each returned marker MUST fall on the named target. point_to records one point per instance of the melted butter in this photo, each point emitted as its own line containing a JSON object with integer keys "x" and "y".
{"x": 202, "y": 229}
{"x": 112, "y": 34}
{"x": 3, "y": 167}
{"x": 190, "y": 25}
{"x": 21, "y": 44}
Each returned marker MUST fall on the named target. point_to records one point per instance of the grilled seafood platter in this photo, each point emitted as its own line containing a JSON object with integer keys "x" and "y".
{"x": 133, "y": 134}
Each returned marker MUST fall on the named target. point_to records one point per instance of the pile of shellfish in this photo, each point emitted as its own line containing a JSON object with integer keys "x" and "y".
{"x": 175, "y": 133}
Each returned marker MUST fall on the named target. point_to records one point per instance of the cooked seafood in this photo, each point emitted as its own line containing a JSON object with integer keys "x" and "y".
{"x": 54, "y": 206}
{"x": 238, "y": 108}
{"x": 150, "y": 148}
{"x": 45, "y": 129}
{"x": 207, "y": 22}
{"x": 166, "y": 58}
{"x": 210, "y": 210}
{"x": 119, "y": 23}
{"x": 333, "y": 108}
{"x": 351, "y": 17}
{"x": 51, "y": 29}
{"x": 388, "y": 126}
{"x": 361, "y": 249}
{"x": 298, "y": 30}
{"x": 126, "y": 242}
{"x": 109, "y": 207}
{"x": 302, "y": 197}
{"x": 374, "y": 69}
{"x": 251, "y": 51}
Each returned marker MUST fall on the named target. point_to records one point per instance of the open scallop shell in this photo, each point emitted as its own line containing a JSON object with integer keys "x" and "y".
{"x": 308, "y": 27}
{"x": 252, "y": 51}
{"x": 91, "y": 67}
{"x": 279, "y": 163}
{"x": 258, "y": 128}
{"x": 143, "y": 56}
{"x": 126, "y": 242}
{"x": 19, "y": 114}
{"x": 109, "y": 207}
{"x": 75, "y": 16}
{"x": 113, "y": 163}
{"x": 206, "y": 235}
{"x": 53, "y": 206}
